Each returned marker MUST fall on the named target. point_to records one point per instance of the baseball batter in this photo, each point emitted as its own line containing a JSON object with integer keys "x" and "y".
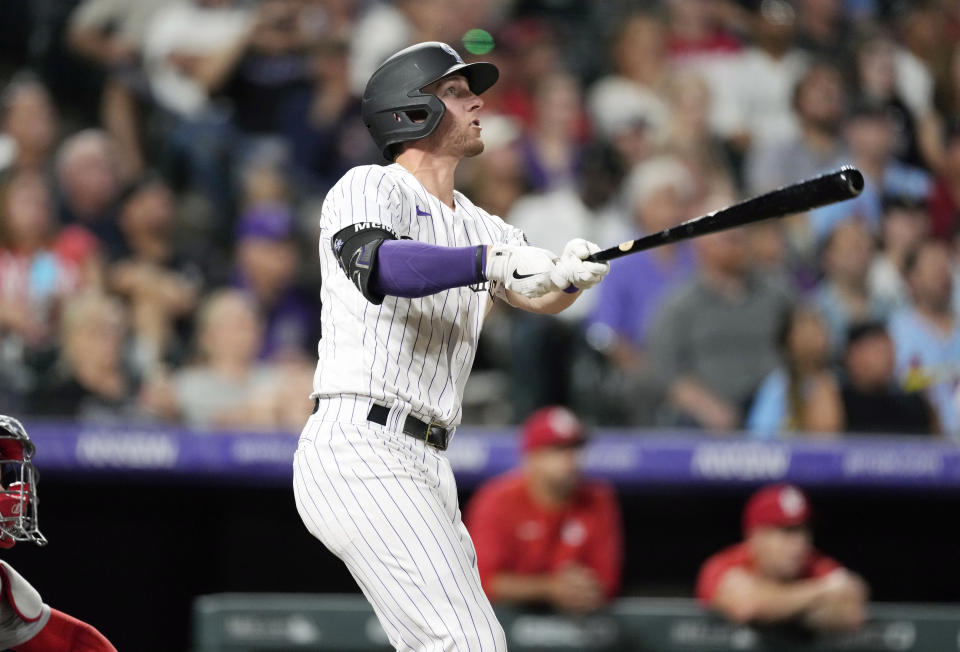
{"x": 410, "y": 269}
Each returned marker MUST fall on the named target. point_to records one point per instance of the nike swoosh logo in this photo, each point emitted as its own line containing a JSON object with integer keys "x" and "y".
{"x": 423, "y": 213}
{"x": 521, "y": 276}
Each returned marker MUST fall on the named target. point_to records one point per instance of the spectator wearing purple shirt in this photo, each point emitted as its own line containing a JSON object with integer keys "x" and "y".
{"x": 266, "y": 264}
{"x": 659, "y": 192}
{"x": 551, "y": 148}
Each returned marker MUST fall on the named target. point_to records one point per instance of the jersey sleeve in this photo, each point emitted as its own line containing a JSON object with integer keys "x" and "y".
{"x": 710, "y": 576}
{"x": 513, "y": 236}
{"x": 605, "y": 556}
{"x": 366, "y": 197}
{"x": 502, "y": 232}
{"x": 821, "y": 565}
{"x": 362, "y": 211}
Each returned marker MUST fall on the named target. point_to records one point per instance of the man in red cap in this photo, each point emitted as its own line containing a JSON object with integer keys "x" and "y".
{"x": 542, "y": 533}
{"x": 776, "y": 575}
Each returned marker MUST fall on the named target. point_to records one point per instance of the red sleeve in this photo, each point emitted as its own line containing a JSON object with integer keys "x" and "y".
{"x": 485, "y": 521}
{"x": 605, "y": 555}
{"x": 711, "y": 573}
{"x": 66, "y": 634}
{"x": 821, "y": 565}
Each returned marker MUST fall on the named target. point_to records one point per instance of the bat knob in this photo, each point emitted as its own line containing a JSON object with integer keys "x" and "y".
{"x": 852, "y": 179}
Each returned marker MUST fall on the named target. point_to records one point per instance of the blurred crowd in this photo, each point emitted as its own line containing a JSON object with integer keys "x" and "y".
{"x": 163, "y": 162}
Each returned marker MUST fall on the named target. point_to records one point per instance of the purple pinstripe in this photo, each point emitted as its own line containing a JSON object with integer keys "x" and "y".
{"x": 375, "y": 598}
{"x": 400, "y": 497}
{"x": 356, "y": 528}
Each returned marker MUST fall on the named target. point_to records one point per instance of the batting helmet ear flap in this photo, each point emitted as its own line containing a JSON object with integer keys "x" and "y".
{"x": 400, "y": 124}
{"x": 395, "y": 91}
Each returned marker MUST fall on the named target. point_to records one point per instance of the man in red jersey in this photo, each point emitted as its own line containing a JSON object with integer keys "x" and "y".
{"x": 776, "y": 575}
{"x": 27, "y": 624}
{"x": 542, "y": 533}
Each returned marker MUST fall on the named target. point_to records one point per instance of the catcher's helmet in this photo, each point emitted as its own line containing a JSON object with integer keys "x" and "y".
{"x": 18, "y": 486}
{"x": 393, "y": 92}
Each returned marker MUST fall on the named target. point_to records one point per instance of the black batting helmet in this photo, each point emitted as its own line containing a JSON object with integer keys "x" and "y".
{"x": 393, "y": 99}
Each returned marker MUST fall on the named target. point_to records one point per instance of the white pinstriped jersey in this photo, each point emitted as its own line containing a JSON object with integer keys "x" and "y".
{"x": 417, "y": 351}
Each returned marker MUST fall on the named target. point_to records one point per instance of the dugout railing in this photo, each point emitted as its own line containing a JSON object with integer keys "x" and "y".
{"x": 237, "y": 622}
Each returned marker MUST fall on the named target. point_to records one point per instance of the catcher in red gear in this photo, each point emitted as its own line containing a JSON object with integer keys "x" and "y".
{"x": 26, "y": 623}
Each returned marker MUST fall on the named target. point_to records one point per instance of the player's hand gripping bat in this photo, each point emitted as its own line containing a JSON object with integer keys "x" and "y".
{"x": 845, "y": 183}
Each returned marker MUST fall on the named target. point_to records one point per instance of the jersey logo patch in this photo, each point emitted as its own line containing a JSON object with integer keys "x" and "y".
{"x": 573, "y": 533}
{"x": 423, "y": 213}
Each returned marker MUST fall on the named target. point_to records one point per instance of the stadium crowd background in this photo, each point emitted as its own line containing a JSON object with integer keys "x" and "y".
{"x": 163, "y": 164}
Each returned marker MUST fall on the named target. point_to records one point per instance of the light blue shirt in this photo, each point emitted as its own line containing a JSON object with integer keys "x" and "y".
{"x": 837, "y": 317}
{"x": 768, "y": 414}
{"x": 927, "y": 358}
{"x": 898, "y": 179}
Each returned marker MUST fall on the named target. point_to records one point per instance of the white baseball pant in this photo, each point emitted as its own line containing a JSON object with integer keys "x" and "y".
{"x": 386, "y": 504}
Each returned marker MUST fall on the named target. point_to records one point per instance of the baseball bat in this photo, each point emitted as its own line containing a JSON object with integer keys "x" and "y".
{"x": 839, "y": 185}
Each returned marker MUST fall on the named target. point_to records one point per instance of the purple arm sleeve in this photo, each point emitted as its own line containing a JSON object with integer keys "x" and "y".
{"x": 406, "y": 268}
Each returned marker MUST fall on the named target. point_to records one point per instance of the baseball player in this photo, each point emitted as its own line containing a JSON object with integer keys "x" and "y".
{"x": 26, "y": 623}
{"x": 410, "y": 269}
{"x": 776, "y": 575}
{"x": 543, "y": 533}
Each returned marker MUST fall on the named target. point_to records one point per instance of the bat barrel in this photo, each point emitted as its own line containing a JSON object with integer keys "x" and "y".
{"x": 852, "y": 178}
{"x": 839, "y": 185}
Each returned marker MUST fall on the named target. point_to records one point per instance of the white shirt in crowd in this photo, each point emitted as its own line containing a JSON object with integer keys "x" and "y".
{"x": 190, "y": 29}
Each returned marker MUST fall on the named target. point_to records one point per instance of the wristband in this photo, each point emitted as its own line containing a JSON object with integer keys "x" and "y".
{"x": 481, "y": 263}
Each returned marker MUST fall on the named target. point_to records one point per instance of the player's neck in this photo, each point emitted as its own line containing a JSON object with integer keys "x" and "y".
{"x": 434, "y": 171}
{"x": 542, "y": 496}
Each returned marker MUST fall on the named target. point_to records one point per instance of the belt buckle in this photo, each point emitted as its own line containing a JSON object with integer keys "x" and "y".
{"x": 426, "y": 437}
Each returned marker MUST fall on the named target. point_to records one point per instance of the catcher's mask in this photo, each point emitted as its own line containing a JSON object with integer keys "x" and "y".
{"x": 18, "y": 486}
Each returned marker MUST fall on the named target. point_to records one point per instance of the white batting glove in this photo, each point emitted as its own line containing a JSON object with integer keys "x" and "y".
{"x": 524, "y": 270}
{"x": 574, "y": 270}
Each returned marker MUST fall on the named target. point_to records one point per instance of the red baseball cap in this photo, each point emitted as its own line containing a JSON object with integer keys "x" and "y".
{"x": 779, "y": 505}
{"x": 552, "y": 426}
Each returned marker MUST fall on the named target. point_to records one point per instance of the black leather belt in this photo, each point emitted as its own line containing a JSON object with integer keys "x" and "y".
{"x": 429, "y": 433}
